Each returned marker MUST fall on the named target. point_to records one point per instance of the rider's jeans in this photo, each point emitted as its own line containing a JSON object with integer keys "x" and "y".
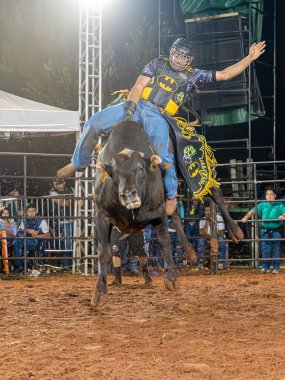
{"x": 155, "y": 127}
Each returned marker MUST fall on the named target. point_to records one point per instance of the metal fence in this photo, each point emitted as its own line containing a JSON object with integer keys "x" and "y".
{"x": 71, "y": 218}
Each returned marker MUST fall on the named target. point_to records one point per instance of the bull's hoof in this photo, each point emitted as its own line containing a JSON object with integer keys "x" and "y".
{"x": 172, "y": 285}
{"x": 190, "y": 253}
{"x": 99, "y": 299}
{"x": 232, "y": 237}
{"x": 238, "y": 233}
{"x": 235, "y": 234}
{"x": 171, "y": 281}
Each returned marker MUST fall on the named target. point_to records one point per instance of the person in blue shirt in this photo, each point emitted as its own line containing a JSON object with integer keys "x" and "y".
{"x": 35, "y": 229}
{"x": 163, "y": 86}
{"x": 270, "y": 229}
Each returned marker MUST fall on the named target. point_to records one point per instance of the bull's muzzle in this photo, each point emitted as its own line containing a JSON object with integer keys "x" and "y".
{"x": 130, "y": 199}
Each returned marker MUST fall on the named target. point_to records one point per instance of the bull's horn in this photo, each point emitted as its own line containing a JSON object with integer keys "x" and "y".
{"x": 155, "y": 161}
{"x": 128, "y": 152}
{"x": 100, "y": 165}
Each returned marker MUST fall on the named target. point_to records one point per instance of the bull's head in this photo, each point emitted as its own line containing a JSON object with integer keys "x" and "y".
{"x": 128, "y": 170}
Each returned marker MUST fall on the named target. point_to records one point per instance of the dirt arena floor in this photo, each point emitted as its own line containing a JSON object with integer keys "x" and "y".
{"x": 227, "y": 326}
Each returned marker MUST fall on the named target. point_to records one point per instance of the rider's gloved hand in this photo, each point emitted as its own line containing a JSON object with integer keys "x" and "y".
{"x": 130, "y": 109}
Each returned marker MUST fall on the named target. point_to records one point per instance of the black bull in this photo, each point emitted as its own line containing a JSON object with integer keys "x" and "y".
{"x": 129, "y": 194}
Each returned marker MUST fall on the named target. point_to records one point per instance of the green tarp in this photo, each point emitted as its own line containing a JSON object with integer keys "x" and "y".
{"x": 203, "y": 8}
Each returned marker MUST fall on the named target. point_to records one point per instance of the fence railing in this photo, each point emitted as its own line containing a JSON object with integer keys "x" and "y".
{"x": 66, "y": 218}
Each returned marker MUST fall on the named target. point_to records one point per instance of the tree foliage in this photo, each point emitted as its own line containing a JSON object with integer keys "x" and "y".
{"x": 123, "y": 64}
{"x": 39, "y": 47}
{"x": 39, "y": 50}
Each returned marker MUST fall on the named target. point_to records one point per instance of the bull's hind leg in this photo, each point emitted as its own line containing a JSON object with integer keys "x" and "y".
{"x": 100, "y": 292}
{"x": 234, "y": 231}
{"x": 184, "y": 243}
{"x": 171, "y": 276}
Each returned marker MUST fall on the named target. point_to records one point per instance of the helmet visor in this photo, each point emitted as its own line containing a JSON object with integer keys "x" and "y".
{"x": 178, "y": 59}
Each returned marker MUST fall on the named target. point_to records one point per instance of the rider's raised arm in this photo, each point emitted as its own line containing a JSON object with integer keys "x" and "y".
{"x": 138, "y": 87}
{"x": 232, "y": 71}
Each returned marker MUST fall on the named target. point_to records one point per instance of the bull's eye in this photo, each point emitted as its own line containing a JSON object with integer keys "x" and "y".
{"x": 141, "y": 167}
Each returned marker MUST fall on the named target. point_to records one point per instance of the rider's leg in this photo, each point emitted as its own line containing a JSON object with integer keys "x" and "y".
{"x": 157, "y": 130}
{"x": 100, "y": 122}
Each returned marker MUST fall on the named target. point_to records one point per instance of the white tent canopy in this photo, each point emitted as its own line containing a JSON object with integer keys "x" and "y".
{"x": 23, "y": 115}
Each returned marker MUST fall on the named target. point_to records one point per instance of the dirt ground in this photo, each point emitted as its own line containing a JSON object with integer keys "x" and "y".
{"x": 228, "y": 326}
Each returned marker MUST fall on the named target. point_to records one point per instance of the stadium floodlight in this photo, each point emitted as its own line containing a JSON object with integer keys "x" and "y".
{"x": 94, "y": 3}
{"x": 90, "y": 3}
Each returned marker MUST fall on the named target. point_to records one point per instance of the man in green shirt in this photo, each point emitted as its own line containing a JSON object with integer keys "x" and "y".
{"x": 270, "y": 230}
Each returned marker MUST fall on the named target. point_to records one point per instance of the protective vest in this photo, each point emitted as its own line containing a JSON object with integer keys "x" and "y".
{"x": 34, "y": 224}
{"x": 167, "y": 88}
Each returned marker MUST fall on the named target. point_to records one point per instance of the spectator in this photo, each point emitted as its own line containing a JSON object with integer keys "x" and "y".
{"x": 176, "y": 249}
{"x": 192, "y": 216}
{"x": 180, "y": 207}
{"x": 63, "y": 207}
{"x": 152, "y": 247}
{"x": 204, "y": 242}
{"x": 15, "y": 204}
{"x": 268, "y": 211}
{"x": 7, "y": 222}
{"x": 132, "y": 247}
{"x": 10, "y": 226}
{"x": 35, "y": 229}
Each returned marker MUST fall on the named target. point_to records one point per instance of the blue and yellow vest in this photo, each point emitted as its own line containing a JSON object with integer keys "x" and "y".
{"x": 167, "y": 88}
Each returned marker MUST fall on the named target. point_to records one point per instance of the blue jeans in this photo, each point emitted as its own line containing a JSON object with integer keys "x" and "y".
{"x": 31, "y": 245}
{"x": 268, "y": 245}
{"x": 203, "y": 243}
{"x": 129, "y": 262}
{"x": 154, "y": 125}
{"x": 152, "y": 248}
{"x": 222, "y": 246}
{"x": 177, "y": 253}
{"x": 192, "y": 229}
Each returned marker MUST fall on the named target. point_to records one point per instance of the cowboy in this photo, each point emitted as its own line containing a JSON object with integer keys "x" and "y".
{"x": 162, "y": 87}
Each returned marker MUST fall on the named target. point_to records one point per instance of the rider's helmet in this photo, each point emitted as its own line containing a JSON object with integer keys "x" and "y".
{"x": 181, "y": 54}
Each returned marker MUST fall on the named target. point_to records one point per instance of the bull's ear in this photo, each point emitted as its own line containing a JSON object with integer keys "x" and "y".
{"x": 106, "y": 170}
{"x": 155, "y": 160}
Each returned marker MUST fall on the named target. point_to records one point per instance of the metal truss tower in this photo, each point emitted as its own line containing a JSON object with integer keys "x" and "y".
{"x": 90, "y": 80}
{"x": 90, "y": 40}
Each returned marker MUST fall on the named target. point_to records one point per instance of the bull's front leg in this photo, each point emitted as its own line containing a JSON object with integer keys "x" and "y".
{"x": 100, "y": 296}
{"x": 171, "y": 276}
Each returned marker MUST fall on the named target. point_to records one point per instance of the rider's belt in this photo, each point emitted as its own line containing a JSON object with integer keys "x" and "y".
{"x": 171, "y": 107}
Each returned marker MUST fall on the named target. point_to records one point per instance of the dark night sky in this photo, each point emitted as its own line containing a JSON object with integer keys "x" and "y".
{"x": 120, "y": 20}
